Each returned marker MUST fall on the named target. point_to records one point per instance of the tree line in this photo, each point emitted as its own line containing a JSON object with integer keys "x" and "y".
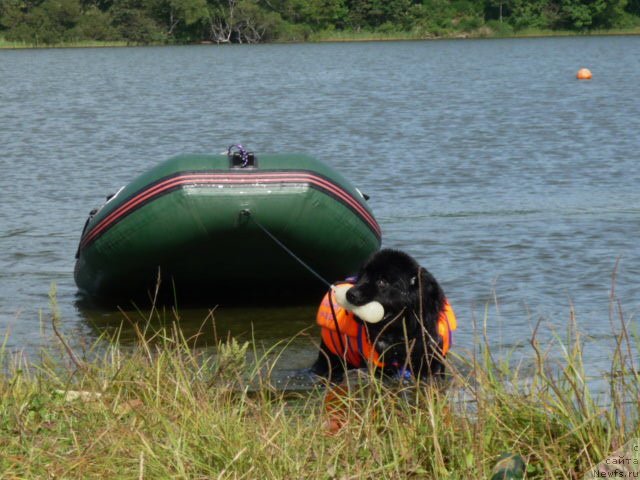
{"x": 251, "y": 21}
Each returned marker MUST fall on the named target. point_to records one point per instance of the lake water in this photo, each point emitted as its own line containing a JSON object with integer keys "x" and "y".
{"x": 515, "y": 184}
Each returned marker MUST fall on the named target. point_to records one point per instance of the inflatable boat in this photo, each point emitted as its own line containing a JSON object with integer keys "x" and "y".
{"x": 227, "y": 227}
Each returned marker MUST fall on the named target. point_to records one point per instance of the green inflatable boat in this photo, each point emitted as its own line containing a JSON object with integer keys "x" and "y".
{"x": 227, "y": 227}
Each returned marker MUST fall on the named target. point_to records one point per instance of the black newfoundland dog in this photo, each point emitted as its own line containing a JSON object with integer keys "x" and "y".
{"x": 405, "y": 339}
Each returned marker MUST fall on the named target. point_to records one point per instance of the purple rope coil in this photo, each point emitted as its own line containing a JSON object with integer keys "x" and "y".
{"x": 244, "y": 155}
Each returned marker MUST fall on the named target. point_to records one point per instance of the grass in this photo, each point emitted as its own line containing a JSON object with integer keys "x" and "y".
{"x": 8, "y": 44}
{"x": 164, "y": 409}
{"x": 537, "y": 32}
{"x": 482, "y": 32}
{"x": 364, "y": 36}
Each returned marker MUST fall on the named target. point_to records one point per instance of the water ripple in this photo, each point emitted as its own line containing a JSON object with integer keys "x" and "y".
{"x": 495, "y": 181}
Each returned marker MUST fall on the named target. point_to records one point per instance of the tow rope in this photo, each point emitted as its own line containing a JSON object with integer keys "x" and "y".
{"x": 247, "y": 213}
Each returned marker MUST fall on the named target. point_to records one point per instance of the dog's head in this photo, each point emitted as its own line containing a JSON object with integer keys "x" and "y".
{"x": 397, "y": 282}
{"x": 412, "y": 301}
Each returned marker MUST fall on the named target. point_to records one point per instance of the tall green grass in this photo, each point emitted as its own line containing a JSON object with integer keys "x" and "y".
{"x": 365, "y": 36}
{"x": 492, "y": 30}
{"x": 10, "y": 44}
{"x": 164, "y": 409}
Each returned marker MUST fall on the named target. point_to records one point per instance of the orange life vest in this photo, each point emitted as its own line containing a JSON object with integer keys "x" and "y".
{"x": 447, "y": 323}
{"x": 352, "y": 341}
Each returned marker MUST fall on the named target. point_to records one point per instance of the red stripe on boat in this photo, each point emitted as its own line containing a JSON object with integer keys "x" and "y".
{"x": 202, "y": 179}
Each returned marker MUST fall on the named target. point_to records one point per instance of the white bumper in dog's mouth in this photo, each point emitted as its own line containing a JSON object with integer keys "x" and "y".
{"x": 372, "y": 312}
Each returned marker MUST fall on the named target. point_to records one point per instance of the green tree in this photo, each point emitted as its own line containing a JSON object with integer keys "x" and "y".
{"x": 11, "y": 13}
{"x": 318, "y": 14}
{"x": 134, "y": 22}
{"x": 373, "y": 13}
{"x": 613, "y": 14}
{"x": 102, "y": 5}
{"x": 177, "y": 16}
{"x": 581, "y": 14}
{"x": 94, "y": 24}
{"x": 435, "y": 16}
{"x": 497, "y": 9}
{"x": 50, "y": 22}
{"x": 241, "y": 21}
{"x": 633, "y": 7}
{"x": 539, "y": 14}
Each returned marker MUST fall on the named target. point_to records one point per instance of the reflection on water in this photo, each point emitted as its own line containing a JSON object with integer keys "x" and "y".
{"x": 283, "y": 330}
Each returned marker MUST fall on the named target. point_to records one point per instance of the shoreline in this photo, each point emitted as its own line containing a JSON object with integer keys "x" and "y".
{"x": 164, "y": 409}
{"x": 338, "y": 37}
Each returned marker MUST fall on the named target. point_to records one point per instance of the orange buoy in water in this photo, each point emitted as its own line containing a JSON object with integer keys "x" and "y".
{"x": 583, "y": 74}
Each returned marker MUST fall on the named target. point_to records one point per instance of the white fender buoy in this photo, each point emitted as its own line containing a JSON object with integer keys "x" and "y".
{"x": 372, "y": 312}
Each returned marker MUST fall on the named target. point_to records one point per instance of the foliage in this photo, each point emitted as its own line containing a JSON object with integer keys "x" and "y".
{"x": 248, "y": 21}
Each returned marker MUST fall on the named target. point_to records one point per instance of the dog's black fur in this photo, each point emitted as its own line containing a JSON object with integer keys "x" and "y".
{"x": 407, "y": 336}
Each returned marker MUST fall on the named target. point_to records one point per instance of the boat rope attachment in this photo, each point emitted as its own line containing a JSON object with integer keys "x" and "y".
{"x": 244, "y": 155}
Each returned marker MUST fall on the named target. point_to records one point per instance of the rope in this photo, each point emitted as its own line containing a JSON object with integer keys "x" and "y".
{"x": 247, "y": 213}
{"x": 244, "y": 155}
{"x": 335, "y": 322}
